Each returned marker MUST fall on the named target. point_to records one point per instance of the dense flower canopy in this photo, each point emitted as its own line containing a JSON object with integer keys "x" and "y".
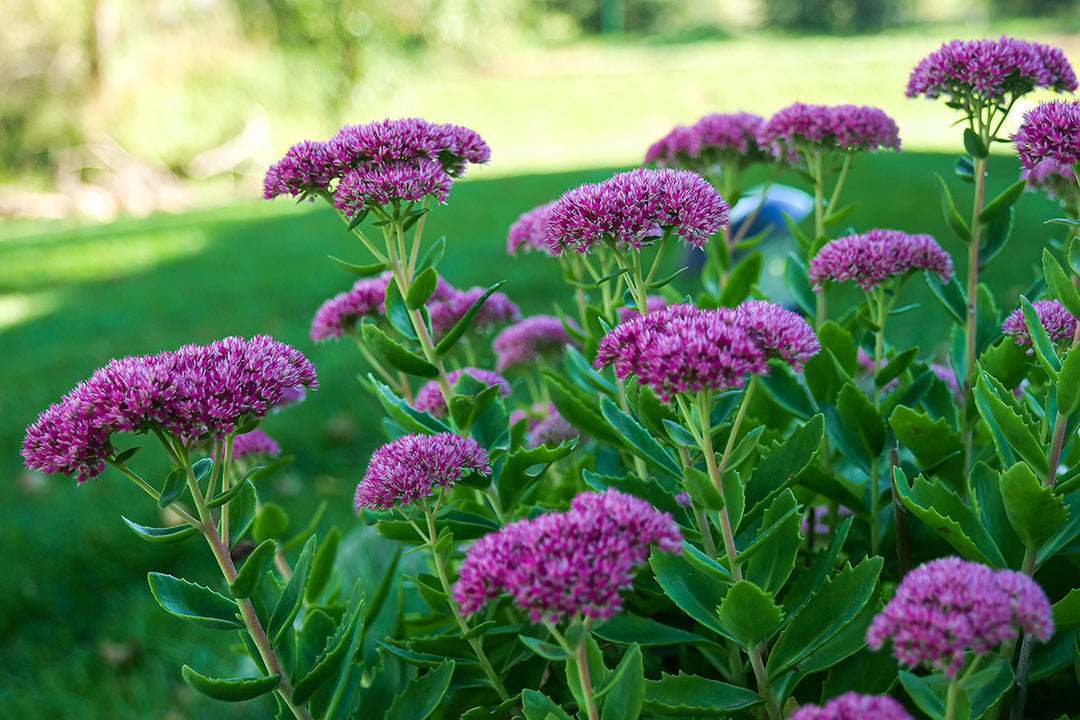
{"x": 527, "y": 232}
{"x": 973, "y": 73}
{"x": 194, "y": 392}
{"x": 873, "y": 257}
{"x": 635, "y": 208}
{"x": 429, "y": 398}
{"x": 948, "y": 606}
{"x": 536, "y": 340}
{"x": 378, "y": 163}
{"x": 409, "y": 468}
{"x": 559, "y": 565}
{"x": 1060, "y": 326}
{"x": 800, "y": 129}
{"x": 852, "y": 706}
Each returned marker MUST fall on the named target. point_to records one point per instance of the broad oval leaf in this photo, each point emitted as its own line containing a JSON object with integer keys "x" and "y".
{"x": 252, "y": 571}
{"x": 194, "y": 602}
{"x": 1034, "y": 511}
{"x": 236, "y": 690}
{"x": 395, "y": 354}
{"x": 692, "y": 696}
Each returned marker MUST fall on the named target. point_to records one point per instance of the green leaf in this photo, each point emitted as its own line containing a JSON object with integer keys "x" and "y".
{"x": 1033, "y": 510}
{"x": 1040, "y": 341}
{"x": 242, "y": 511}
{"x": 638, "y": 440}
{"x": 835, "y": 216}
{"x": 434, "y": 255}
{"x": 396, "y": 312}
{"x": 403, "y": 413}
{"x": 813, "y": 578}
{"x": 412, "y": 216}
{"x": 461, "y": 326}
{"x": 1009, "y": 430}
{"x": 322, "y": 564}
{"x": 894, "y": 367}
{"x": 923, "y": 695}
{"x": 125, "y": 455}
{"x": 538, "y": 706}
{"x": 176, "y": 533}
{"x": 1002, "y": 203}
{"x": 938, "y": 450}
{"x": 702, "y": 490}
{"x": 964, "y": 169}
{"x": 947, "y": 514}
{"x": 798, "y": 284}
{"x": 742, "y": 278}
{"x": 292, "y": 596}
{"x": 987, "y": 686}
{"x": 194, "y": 602}
{"x": 784, "y": 463}
{"x": 1068, "y": 387}
{"x": 1072, "y": 251}
{"x": 694, "y": 583}
{"x": 1064, "y": 535}
{"x": 252, "y": 571}
{"x": 771, "y": 566}
{"x": 974, "y": 144}
{"x": 623, "y": 692}
{"x": 788, "y": 390}
{"x": 546, "y": 650}
{"x": 867, "y": 672}
{"x": 395, "y": 354}
{"x": 859, "y": 414}
{"x": 1066, "y": 612}
{"x": 951, "y": 295}
{"x": 238, "y": 690}
{"x": 423, "y": 285}
{"x": 838, "y": 602}
{"x": 1059, "y": 283}
{"x": 174, "y": 486}
{"x": 423, "y": 694}
{"x": 270, "y": 523}
{"x": 580, "y": 409}
{"x": 692, "y": 696}
{"x": 627, "y": 628}
{"x": 749, "y": 613}
{"x": 361, "y": 270}
{"x": 952, "y": 216}
{"x": 657, "y": 284}
{"x": 334, "y": 654}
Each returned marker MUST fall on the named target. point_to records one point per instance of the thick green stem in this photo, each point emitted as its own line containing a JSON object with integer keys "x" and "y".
{"x": 764, "y": 684}
{"x": 972, "y": 303}
{"x": 579, "y": 657}
{"x": 700, "y": 516}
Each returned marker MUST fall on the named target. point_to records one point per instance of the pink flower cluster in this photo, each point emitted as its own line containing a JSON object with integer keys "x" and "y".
{"x": 429, "y": 398}
{"x": 980, "y": 72}
{"x": 705, "y": 142}
{"x": 682, "y": 348}
{"x": 255, "y": 442}
{"x": 378, "y": 163}
{"x": 340, "y": 313}
{"x": 633, "y": 209}
{"x": 1048, "y": 145}
{"x": 875, "y": 256}
{"x": 559, "y": 565}
{"x": 799, "y": 128}
{"x": 448, "y": 305}
{"x": 536, "y": 340}
{"x": 948, "y": 606}
{"x": 409, "y": 468}
{"x": 852, "y": 706}
{"x": 545, "y": 425}
{"x": 527, "y": 232}
{"x": 193, "y": 392}
{"x": 1060, "y": 326}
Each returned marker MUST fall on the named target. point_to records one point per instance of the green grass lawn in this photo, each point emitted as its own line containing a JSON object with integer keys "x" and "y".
{"x": 72, "y": 297}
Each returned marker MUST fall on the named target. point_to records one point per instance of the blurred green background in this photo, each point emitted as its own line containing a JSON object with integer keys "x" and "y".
{"x": 133, "y": 138}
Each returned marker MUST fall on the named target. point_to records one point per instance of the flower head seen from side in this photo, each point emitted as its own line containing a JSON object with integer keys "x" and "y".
{"x": 339, "y": 314}
{"x": 976, "y": 73}
{"x": 411, "y": 467}
{"x": 429, "y": 398}
{"x": 527, "y": 233}
{"x": 447, "y": 308}
{"x": 718, "y": 142}
{"x": 195, "y": 392}
{"x": 636, "y": 208}
{"x": 377, "y": 164}
{"x": 853, "y": 706}
{"x": 948, "y": 606}
{"x": 778, "y": 332}
{"x": 1048, "y": 145}
{"x": 1059, "y": 324}
{"x": 799, "y": 131}
{"x": 255, "y": 442}
{"x": 875, "y": 256}
{"x": 561, "y": 565}
{"x": 536, "y": 340}
{"x": 681, "y": 348}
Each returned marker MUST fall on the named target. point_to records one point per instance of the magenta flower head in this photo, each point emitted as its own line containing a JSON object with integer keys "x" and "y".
{"x": 875, "y": 256}
{"x": 339, "y": 314}
{"x": 447, "y": 308}
{"x": 779, "y": 333}
{"x": 852, "y": 706}
{"x": 196, "y": 392}
{"x": 429, "y": 398}
{"x": 545, "y": 425}
{"x": 716, "y": 139}
{"x": 977, "y": 73}
{"x": 681, "y": 348}
{"x": 409, "y": 468}
{"x": 378, "y": 163}
{"x": 536, "y": 340}
{"x": 527, "y": 232}
{"x": 636, "y": 208}
{"x": 559, "y": 565}
{"x": 1048, "y": 145}
{"x": 1060, "y": 326}
{"x": 255, "y": 442}
{"x": 949, "y": 606}
{"x": 800, "y": 129}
